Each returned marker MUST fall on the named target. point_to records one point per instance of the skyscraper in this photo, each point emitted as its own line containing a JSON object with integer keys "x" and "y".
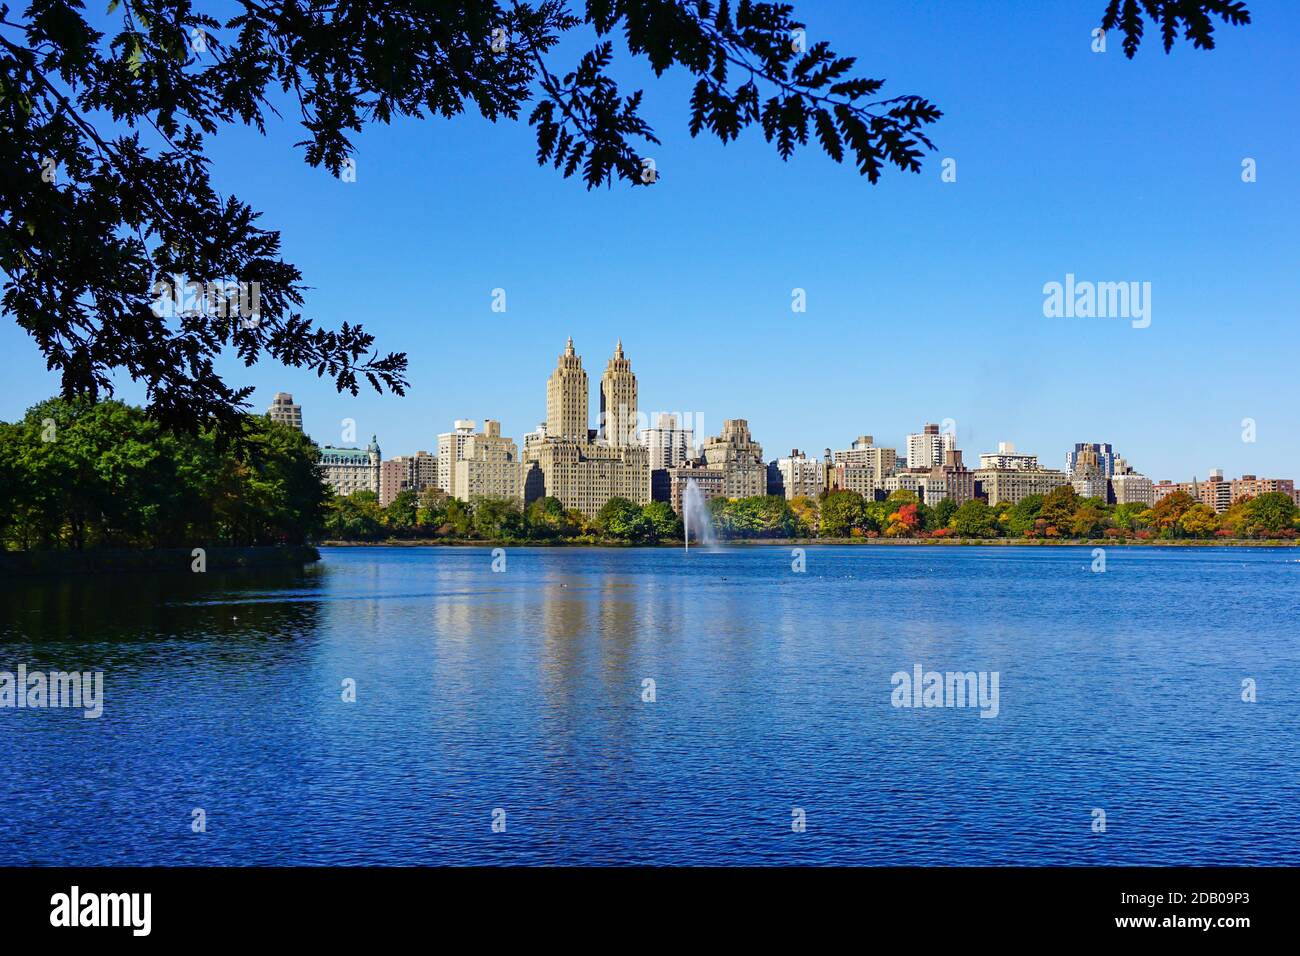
{"x": 451, "y": 448}
{"x": 668, "y": 444}
{"x": 563, "y": 460}
{"x": 566, "y": 398}
{"x": 618, "y": 401}
{"x": 929, "y": 448}
{"x": 1105, "y": 453}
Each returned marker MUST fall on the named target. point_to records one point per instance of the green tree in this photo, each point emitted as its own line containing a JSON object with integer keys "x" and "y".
{"x": 432, "y": 511}
{"x": 661, "y": 522}
{"x": 498, "y": 518}
{"x": 1024, "y": 514}
{"x": 940, "y": 515}
{"x": 974, "y": 519}
{"x": 1128, "y": 516}
{"x": 620, "y": 518}
{"x": 1270, "y": 513}
{"x": 1059, "y": 506}
{"x": 401, "y": 514}
{"x": 355, "y": 517}
{"x": 547, "y": 518}
{"x": 1088, "y": 520}
{"x": 841, "y": 513}
{"x": 459, "y": 517}
{"x": 87, "y": 474}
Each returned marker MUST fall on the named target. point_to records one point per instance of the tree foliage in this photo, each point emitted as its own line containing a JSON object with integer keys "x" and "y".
{"x": 81, "y": 474}
{"x": 105, "y": 188}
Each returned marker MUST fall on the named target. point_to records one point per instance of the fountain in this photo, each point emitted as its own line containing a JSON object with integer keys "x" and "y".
{"x": 695, "y": 514}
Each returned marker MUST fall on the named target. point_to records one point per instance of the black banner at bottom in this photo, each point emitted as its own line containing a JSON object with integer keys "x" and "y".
{"x": 300, "y": 904}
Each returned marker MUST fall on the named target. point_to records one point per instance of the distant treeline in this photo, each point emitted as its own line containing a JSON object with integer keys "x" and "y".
{"x": 84, "y": 474}
{"x": 1061, "y": 514}
{"x": 432, "y": 514}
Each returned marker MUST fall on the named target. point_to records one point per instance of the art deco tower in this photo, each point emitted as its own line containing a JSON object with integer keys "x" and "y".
{"x": 618, "y": 401}
{"x": 566, "y": 398}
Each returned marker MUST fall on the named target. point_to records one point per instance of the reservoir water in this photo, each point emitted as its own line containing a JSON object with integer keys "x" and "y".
{"x": 769, "y": 733}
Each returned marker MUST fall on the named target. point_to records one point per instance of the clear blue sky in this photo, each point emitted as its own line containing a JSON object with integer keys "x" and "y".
{"x": 924, "y": 298}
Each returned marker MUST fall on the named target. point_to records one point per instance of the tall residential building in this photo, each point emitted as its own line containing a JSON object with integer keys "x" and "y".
{"x": 618, "y": 402}
{"x": 954, "y": 478}
{"x": 739, "y": 458}
{"x": 797, "y": 476}
{"x": 928, "y": 448}
{"x": 566, "y": 398}
{"x": 348, "y": 470}
{"x": 1012, "y": 485}
{"x": 881, "y": 461}
{"x": 709, "y": 481}
{"x": 951, "y": 479}
{"x": 1105, "y": 460}
{"x": 566, "y": 462}
{"x": 1007, "y": 457}
{"x": 489, "y": 466}
{"x": 1131, "y": 488}
{"x": 1219, "y": 493}
{"x": 1088, "y": 475}
{"x": 406, "y": 473}
{"x": 667, "y": 445}
{"x": 284, "y": 411}
{"x": 859, "y": 478}
{"x": 916, "y": 482}
{"x": 451, "y": 448}
{"x": 1248, "y": 486}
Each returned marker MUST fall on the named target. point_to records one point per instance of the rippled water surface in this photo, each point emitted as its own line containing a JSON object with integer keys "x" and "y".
{"x": 522, "y": 690}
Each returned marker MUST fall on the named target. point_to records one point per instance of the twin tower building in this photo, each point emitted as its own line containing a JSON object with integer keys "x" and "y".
{"x": 581, "y": 466}
{"x": 584, "y": 467}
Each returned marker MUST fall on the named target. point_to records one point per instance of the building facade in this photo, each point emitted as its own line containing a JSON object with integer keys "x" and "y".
{"x": 1219, "y": 493}
{"x": 1130, "y": 488}
{"x": 928, "y": 448}
{"x": 797, "y": 476}
{"x": 881, "y": 463}
{"x": 1105, "y": 457}
{"x": 1088, "y": 476}
{"x": 739, "y": 458}
{"x": 708, "y": 480}
{"x": 489, "y": 466}
{"x": 284, "y": 411}
{"x": 1013, "y": 485}
{"x": 667, "y": 445}
{"x": 858, "y": 478}
{"x": 1006, "y": 457}
{"x": 618, "y": 402}
{"x": 566, "y": 460}
{"x": 406, "y": 473}
{"x": 451, "y": 448}
{"x": 348, "y": 470}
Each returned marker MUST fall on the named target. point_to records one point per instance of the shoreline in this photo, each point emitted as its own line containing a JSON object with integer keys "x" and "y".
{"x": 152, "y": 560}
{"x": 815, "y": 542}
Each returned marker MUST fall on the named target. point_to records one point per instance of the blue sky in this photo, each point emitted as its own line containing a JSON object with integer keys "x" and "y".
{"x": 924, "y": 298}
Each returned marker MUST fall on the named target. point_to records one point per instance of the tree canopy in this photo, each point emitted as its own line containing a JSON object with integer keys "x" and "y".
{"x": 105, "y": 191}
